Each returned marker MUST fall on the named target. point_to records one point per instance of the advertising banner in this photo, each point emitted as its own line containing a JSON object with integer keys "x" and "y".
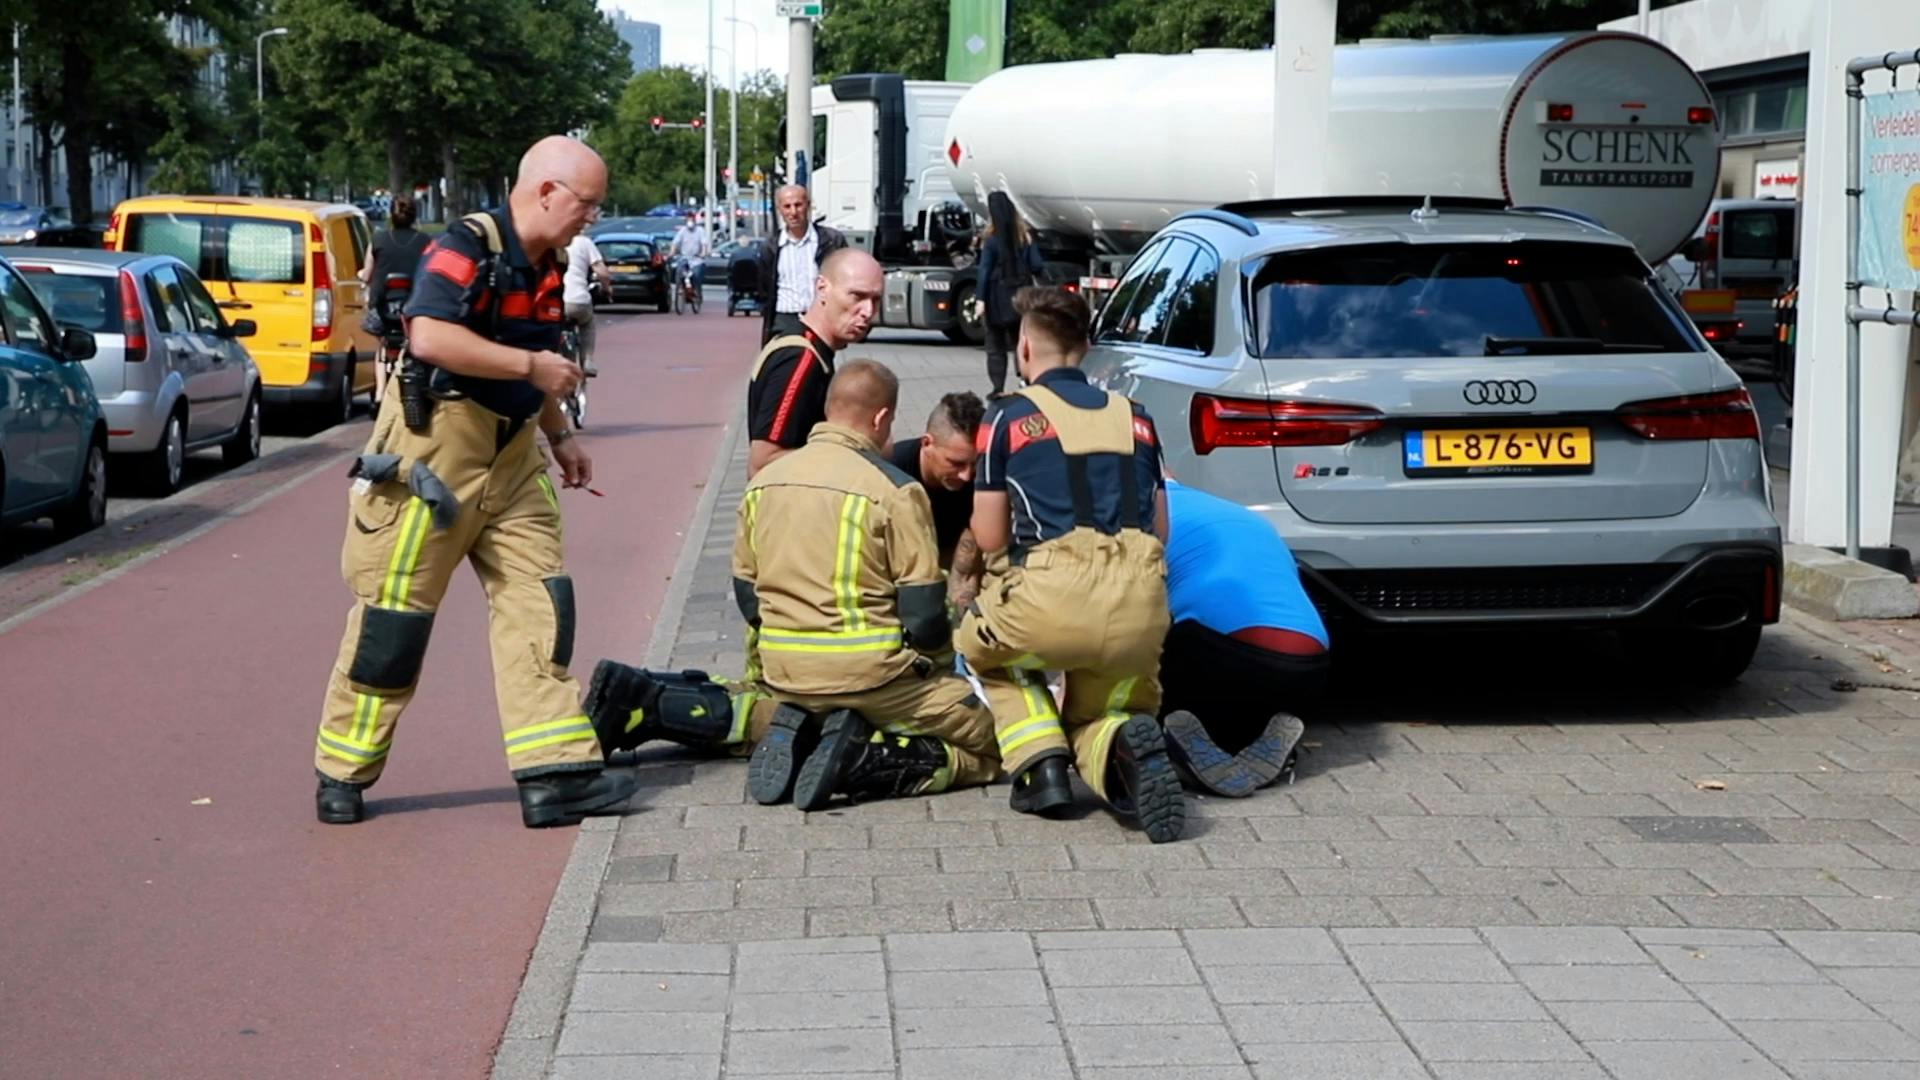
{"x": 1890, "y": 179}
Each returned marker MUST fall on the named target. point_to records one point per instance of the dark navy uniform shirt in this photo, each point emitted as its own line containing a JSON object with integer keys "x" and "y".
{"x": 1020, "y": 454}
{"x": 452, "y": 285}
{"x": 789, "y": 395}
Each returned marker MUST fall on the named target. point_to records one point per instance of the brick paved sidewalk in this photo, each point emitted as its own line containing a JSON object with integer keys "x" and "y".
{"x": 1459, "y": 861}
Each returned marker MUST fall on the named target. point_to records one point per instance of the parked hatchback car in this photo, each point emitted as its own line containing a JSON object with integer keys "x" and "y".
{"x": 1460, "y": 416}
{"x": 638, "y": 269}
{"x": 292, "y": 267}
{"x": 53, "y": 436}
{"x": 23, "y": 224}
{"x": 169, "y": 369}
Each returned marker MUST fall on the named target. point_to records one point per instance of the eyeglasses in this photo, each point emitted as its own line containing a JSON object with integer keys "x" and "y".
{"x": 592, "y": 205}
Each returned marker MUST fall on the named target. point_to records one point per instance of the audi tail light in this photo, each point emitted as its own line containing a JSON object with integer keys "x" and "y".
{"x": 134, "y": 319}
{"x": 322, "y": 287}
{"x": 1217, "y": 422}
{"x": 1725, "y": 415}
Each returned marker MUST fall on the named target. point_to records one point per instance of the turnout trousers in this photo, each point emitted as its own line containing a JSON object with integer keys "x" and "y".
{"x": 1091, "y": 605}
{"x": 472, "y": 487}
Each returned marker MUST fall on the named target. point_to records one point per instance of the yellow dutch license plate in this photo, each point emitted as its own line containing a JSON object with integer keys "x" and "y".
{"x": 1499, "y": 450}
{"x": 623, "y": 268}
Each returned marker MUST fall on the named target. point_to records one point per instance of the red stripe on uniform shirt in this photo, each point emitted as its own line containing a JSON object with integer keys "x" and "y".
{"x": 516, "y": 305}
{"x": 452, "y": 265}
{"x": 792, "y": 394}
{"x": 1143, "y": 430}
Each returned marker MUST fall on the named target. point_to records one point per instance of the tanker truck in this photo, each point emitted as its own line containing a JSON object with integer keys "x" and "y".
{"x": 1098, "y": 155}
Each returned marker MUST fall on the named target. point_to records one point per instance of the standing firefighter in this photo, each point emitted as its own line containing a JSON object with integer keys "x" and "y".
{"x": 1069, "y": 502}
{"x": 453, "y": 473}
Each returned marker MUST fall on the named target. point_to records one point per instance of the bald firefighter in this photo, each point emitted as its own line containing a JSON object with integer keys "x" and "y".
{"x": 837, "y": 572}
{"x": 1069, "y": 505}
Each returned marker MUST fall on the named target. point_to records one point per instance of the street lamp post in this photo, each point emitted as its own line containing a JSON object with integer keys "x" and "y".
{"x": 260, "y": 72}
{"x": 733, "y": 128}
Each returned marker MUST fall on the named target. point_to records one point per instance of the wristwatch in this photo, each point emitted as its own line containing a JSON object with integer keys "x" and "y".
{"x": 554, "y": 438}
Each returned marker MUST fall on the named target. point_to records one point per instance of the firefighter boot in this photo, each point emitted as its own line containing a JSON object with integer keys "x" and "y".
{"x": 1267, "y": 757}
{"x": 565, "y": 798}
{"x": 789, "y": 741}
{"x": 855, "y": 760}
{"x": 1044, "y": 787}
{"x": 339, "y": 803}
{"x": 1141, "y": 782}
{"x": 1202, "y": 764}
{"x": 631, "y": 706}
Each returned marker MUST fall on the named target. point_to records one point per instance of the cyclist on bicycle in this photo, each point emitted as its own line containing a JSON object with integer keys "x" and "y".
{"x": 689, "y": 251}
{"x": 584, "y": 266}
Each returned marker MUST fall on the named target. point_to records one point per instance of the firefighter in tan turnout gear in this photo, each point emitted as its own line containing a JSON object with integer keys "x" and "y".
{"x": 835, "y": 563}
{"x": 1070, "y": 507}
{"x": 467, "y": 482}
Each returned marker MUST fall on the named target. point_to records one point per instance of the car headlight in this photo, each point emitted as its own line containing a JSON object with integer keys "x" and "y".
{"x": 29, "y": 234}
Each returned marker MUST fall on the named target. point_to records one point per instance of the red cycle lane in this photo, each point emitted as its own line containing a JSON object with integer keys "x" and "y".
{"x": 171, "y": 908}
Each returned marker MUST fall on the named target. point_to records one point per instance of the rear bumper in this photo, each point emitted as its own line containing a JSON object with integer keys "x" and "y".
{"x": 639, "y": 292}
{"x": 134, "y": 420}
{"x": 324, "y": 371}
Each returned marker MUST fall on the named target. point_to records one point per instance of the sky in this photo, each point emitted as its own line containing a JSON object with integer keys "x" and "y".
{"x": 683, "y": 32}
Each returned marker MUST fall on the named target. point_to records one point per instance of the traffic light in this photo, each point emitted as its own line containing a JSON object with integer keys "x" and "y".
{"x": 658, "y": 123}
{"x": 699, "y": 122}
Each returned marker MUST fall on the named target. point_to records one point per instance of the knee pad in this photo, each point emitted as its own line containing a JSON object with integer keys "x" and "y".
{"x": 684, "y": 707}
{"x": 392, "y": 646}
{"x": 560, "y": 591}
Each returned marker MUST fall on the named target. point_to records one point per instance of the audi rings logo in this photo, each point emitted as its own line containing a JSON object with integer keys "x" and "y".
{"x": 1499, "y": 392}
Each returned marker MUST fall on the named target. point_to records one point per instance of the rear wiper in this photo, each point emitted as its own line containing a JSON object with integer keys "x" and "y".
{"x": 1562, "y": 346}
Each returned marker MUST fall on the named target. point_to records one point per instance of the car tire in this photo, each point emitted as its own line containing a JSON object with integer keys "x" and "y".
{"x": 88, "y": 510}
{"x": 345, "y": 406}
{"x": 1693, "y": 657}
{"x": 164, "y": 467}
{"x": 666, "y": 302}
{"x": 245, "y": 444}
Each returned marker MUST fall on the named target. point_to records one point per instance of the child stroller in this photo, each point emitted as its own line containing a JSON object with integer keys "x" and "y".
{"x": 743, "y": 283}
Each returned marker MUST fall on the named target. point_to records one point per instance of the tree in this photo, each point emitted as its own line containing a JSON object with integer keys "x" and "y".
{"x": 646, "y": 168}
{"x": 184, "y": 165}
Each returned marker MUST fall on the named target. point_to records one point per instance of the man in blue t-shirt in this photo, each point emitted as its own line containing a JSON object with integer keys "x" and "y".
{"x": 1246, "y": 644}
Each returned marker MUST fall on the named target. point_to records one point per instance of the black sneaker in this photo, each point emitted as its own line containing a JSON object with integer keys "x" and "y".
{"x": 1141, "y": 782}
{"x": 1270, "y": 756}
{"x": 1202, "y": 763}
{"x": 1044, "y": 787}
{"x": 565, "y": 798}
{"x": 339, "y": 803}
{"x": 790, "y": 739}
{"x": 858, "y": 761}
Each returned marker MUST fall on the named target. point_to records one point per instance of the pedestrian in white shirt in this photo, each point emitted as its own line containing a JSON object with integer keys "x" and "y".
{"x": 583, "y": 259}
{"x": 790, "y": 265}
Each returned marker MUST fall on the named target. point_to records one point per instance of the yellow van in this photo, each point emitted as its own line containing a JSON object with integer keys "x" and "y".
{"x": 291, "y": 266}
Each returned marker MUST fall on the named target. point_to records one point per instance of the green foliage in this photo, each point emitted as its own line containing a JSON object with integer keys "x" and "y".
{"x": 647, "y": 168}
{"x": 184, "y": 166}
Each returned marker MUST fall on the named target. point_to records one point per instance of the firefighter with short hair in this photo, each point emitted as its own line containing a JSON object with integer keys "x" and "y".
{"x": 452, "y": 474}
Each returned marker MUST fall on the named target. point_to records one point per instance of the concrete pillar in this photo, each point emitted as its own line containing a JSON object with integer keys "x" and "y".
{"x": 1302, "y": 84}
{"x": 799, "y": 94}
{"x": 1843, "y": 30}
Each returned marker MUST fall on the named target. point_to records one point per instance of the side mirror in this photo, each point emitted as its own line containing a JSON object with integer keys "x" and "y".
{"x": 77, "y": 344}
{"x": 240, "y": 328}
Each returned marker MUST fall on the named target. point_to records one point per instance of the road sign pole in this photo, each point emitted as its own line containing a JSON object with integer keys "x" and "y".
{"x": 799, "y": 93}
{"x": 707, "y": 125}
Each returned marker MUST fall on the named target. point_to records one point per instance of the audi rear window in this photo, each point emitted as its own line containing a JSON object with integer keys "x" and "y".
{"x": 88, "y": 301}
{"x": 625, "y": 251}
{"x": 1395, "y": 300}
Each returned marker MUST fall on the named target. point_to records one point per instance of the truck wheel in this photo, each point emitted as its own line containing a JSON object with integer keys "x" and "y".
{"x": 967, "y": 329}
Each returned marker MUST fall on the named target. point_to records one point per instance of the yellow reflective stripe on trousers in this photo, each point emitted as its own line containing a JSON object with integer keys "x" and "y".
{"x": 366, "y": 710}
{"x": 885, "y": 639}
{"x": 546, "y": 485}
{"x": 743, "y": 703}
{"x": 1121, "y": 693}
{"x": 1042, "y": 720}
{"x": 351, "y": 750}
{"x": 406, "y": 555}
{"x": 846, "y": 561}
{"x": 535, "y": 736}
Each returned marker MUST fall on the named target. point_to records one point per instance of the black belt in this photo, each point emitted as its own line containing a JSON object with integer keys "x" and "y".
{"x": 509, "y": 427}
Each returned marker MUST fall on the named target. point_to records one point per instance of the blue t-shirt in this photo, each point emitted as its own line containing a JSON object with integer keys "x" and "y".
{"x": 1228, "y": 569}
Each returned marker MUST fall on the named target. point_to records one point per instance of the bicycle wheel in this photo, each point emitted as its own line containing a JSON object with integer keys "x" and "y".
{"x": 678, "y": 300}
{"x": 693, "y": 298}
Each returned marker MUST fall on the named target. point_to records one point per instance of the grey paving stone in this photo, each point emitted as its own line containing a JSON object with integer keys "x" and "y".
{"x": 1592, "y": 805}
{"x": 1023, "y": 915}
{"x": 1456, "y": 910}
{"x": 1639, "y": 854}
{"x": 1367, "y": 854}
{"x": 1897, "y": 856}
{"x": 638, "y": 869}
{"x": 1156, "y": 914}
{"x": 1478, "y": 1040}
{"x": 869, "y": 863}
{"x": 1716, "y": 829}
{"x": 1793, "y": 831}
{"x": 936, "y": 887}
{"x": 1629, "y": 1020}
{"x": 805, "y": 837}
{"x": 1758, "y": 912}
{"x": 813, "y": 1010}
{"x": 1408, "y": 936}
{"x": 1881, "y": 986}
{"x": 1272, "y": 854}
{"x": 1137, "y": 857}
{"x": 1118, "y": 967}
{"x": 1491, "y": 880}
{"x": 1316, "y": 829}
{"x": 1734, "y": 964}
{"x": 836, "y": 946}
{"x": 1459, "y": 1001}
{"x": 1516, "y": 853}
{"x": 1274, "y": 946}
{"x": 1097, "y": 828}
{"x": 878, "y": 919}
{"x": 632, "y": 1066}
{"x": 960, "y": 952}
{"x": 969, "y": 1063}
{"x": 1869, "y": 913}
{"x": 1566, "y": 909}
{"x": 1600, "y": 983}
{"x": 1164, "y": 1072}
{"x": 1672, "y": 1060}
{"x": 641, "y": 1033}
{"x": 1847, "y": 806}
{"x": 1335, "y": 1061}
{"x": 1831, "y": 1040}
{"x": 662, "y": 959}
{"x": 1081, "y": 884}
{"x": 967, "y": 989}
{"x": 1892, "y": 884}
{"x": 1852, "y": 1070}
{"x": 1501, "y": 806}
{"x": 1311, "y": 882}
{"x": 1699, "y": 937}
{"x": 835, "y": 1052}
{"x": 1566, "y": 830}
{"x": 1761, "y": 1001}
{"x": 1346, "y": 1022}
{"x": 637, "y": 843}
{"x": 798, "y": 892}
{"x": 1087, "y": 1005}
{"x": 725, "y": 865}
{"x": 1291, "y": 984}
{"x": 1219, "y": 883}
{"x": 651, "y": 993}
{"x": 1152, "y": 1044}
{"x": 664, "y": 897}
{"x": 1614, "y": 881}
{"x": 1439, "y": 829}
{"x": 798, "y": 973}
{"x": 1342, "y": 804}
{"x": 1427, "y": 963}
{"x": 1802, "y": 856}
{"x": 617, "y": 929}
{"x": 1049, "y": 941}
{"x": 1494, "y": 1070}
{"x": 1315, "y": 911}
{"x": 1748, "y": 881}
{"x": 983, "y": 1027}
{"x": 1565, "y": 945}
{"x": 1857, "y": 948}
{"x": 1013, "y": 857}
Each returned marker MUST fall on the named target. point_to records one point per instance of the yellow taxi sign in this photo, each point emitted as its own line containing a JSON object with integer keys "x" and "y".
{"x": 1708, "y": 301}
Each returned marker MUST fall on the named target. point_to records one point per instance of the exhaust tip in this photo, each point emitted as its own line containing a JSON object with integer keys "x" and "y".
{"x": 1714, "y": 611}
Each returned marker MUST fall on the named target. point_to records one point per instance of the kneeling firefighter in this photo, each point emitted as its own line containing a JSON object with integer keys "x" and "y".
{"x": 1076, "y": 580}
{"x": 452, "y": 474}
{"x": 851, "y": 685}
